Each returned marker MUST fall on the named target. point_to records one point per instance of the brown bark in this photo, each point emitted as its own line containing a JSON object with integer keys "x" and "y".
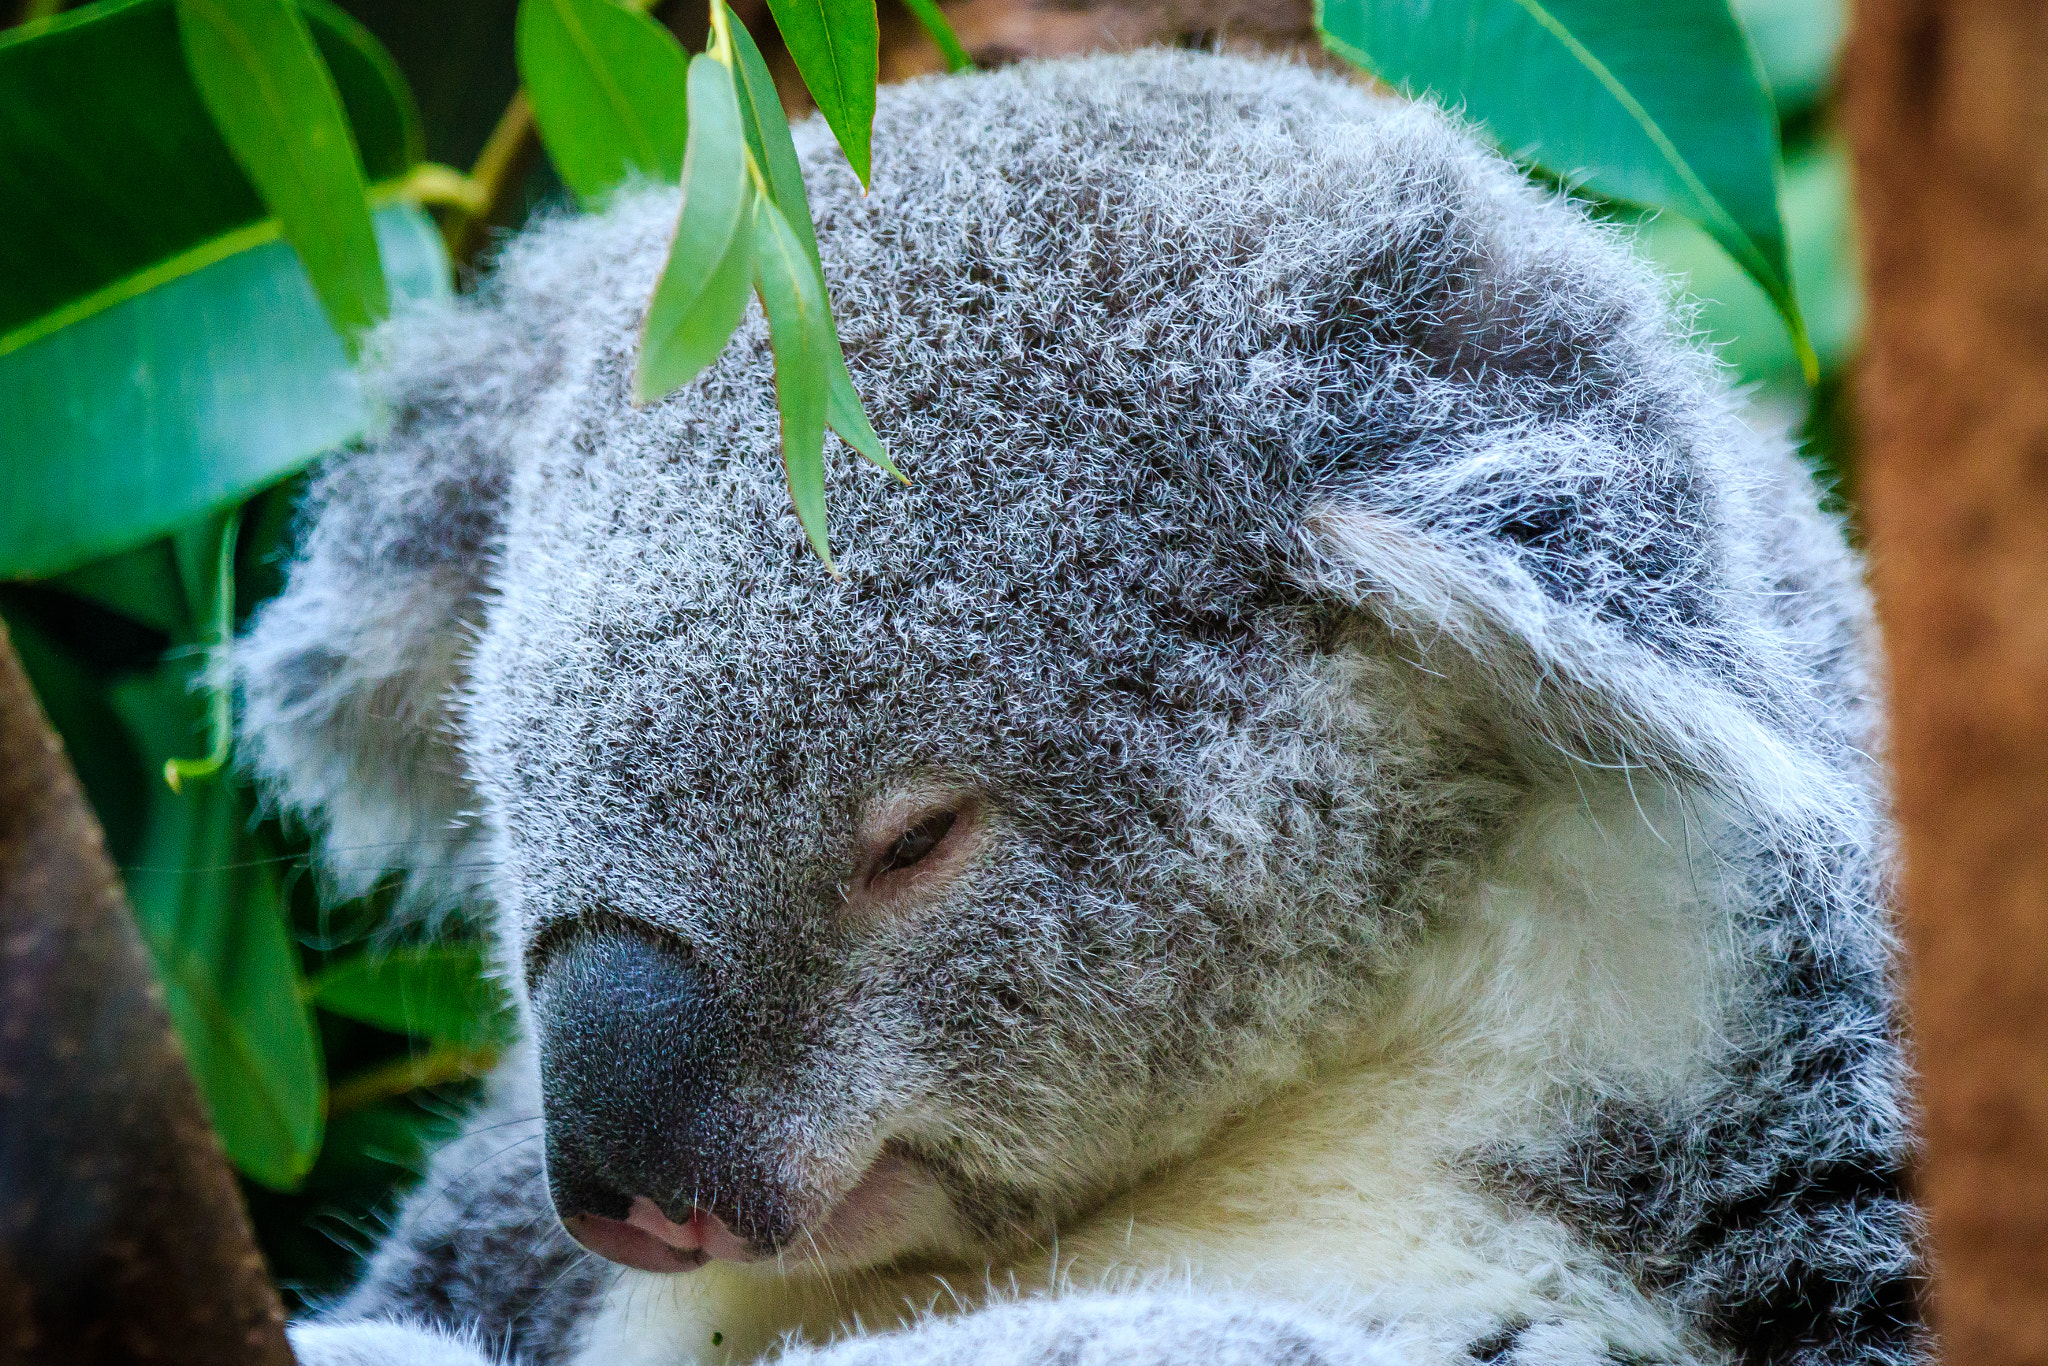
{"x": 998, "y": 31}
{"x": 1947, "y": 110}
{"x": 122, "y": 1236}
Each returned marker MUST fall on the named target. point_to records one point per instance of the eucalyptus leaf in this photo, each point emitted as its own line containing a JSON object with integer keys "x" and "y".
{"x": 608, "y": 86}
{"x": 1660, "y": 105}
{"x": 836, "y": 45}
{"x": 209, "y": 907}
{"x": 1798, "y": 42}
{"x": 1737, "y": 316}
{"x": 190, "y": 395}
{"x": 141, "y": 584}
{"x": 933, "y": 22}
{"x": 702, "y": 293}
{"x": 442, "y": 992}
{"x": 794, "y": 301}
{"x": 102, "y": 129}
{"x": 271, "y": 95}
{"x": 769, "y": 143}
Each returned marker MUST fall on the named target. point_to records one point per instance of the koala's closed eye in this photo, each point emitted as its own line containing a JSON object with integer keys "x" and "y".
{"x": 914, "y": 844}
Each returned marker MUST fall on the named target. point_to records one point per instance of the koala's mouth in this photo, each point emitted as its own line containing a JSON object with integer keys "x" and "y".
{"x": 880, "y": 1215}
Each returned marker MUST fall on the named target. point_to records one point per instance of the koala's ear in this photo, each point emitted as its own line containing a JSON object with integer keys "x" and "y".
{"x": 348, "y": 678}
{"x": 1569, "y": 689}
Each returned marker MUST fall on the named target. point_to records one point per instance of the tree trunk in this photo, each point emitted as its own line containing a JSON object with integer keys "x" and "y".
{"x": 122, "y": 1236}
{"x": 1947, "y": 111}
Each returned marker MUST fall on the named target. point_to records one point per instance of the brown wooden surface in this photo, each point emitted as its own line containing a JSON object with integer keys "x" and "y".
{"x": 122, "y": 1236}
{"x": 1947, "y": 110}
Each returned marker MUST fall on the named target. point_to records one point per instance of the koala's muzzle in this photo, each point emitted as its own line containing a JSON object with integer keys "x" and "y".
{"x": 647, "y": 1147}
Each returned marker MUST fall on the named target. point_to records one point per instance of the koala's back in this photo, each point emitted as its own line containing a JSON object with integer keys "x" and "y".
{"x": 1133, "y": 324}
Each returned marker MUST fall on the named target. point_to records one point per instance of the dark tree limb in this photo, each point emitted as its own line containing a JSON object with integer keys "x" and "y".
{"x": 1947, "y": 111}
{"x": 122, "y": 1236}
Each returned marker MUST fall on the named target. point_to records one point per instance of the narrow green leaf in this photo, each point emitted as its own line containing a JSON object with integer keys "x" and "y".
{"x": 836, "y": 46}
{"x": 795, "y": 304}
{"x": 191, "y": 393}
{"x": 609, "y": 92}
{"x": 209, "y": 908}
{"x": 769, "y": 143}
{"x": 767, "y": 130}
{"x": 442, "y": 992}
{"x": 702, "y": 292}
{"x": 1661, "y": 105}
{"x": 939, "y": 31}
{"x": 274, "y": 100}
{"x": 844, "y": 414}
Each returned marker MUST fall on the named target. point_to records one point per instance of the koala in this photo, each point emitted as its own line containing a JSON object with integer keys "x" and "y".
{"x": 1333, "y": 820}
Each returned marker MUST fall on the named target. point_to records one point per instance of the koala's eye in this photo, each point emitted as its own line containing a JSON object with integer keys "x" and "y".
{"x": 918, "y": 841}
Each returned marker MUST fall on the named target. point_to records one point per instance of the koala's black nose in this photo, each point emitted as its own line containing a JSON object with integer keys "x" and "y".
{"x": 639, "y": 1082}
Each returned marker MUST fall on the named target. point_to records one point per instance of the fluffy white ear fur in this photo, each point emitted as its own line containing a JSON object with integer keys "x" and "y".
{"x": 346, "y": 694}
{"x": 1578, "y": 694}
{"x": 349, "y": 678}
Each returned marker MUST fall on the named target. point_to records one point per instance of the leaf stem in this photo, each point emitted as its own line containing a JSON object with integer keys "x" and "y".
{"x": 220, "y": 635}
{"x": 500, "y": 167}
{"x": 438, "y": 1066}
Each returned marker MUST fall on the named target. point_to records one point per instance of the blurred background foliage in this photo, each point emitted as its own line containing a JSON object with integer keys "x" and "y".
{"x": 333, "y": 1054}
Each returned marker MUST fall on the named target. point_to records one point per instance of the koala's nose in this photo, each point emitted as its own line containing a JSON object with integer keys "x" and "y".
{"x": 646, "y": 1156}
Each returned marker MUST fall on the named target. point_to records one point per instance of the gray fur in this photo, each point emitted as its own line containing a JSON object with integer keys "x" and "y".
{"x": 1299, "y": 495}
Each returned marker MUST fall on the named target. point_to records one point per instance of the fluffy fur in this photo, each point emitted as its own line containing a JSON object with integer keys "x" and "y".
{"x": 1425, "y": 901}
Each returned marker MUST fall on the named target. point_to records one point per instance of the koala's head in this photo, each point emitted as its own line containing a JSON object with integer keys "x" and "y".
{"x": 1292, "y": 487}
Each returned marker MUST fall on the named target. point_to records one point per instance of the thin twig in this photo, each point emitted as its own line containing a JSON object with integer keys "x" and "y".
{"x": 499, "y": 173}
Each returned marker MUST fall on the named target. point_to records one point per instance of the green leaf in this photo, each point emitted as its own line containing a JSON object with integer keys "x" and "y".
{"x": 836, "y": 46}
{"x": 934, "y": 24}
{"x": 262, "y": 78}
{"x": 769, "y": 143}
{"x": 442, "y": 992}
{"x": 1798, "y": 41}
{"x": 608, "y": 86}
{"x": 702, "y": 293}
{"x": 1737, "y": 315}
{"x": 767, "y": 130}
{"x": 208, "y": 906}
{"x": 213, "y": 376}
{"x": 111, "y": 166}
{"x": 142, "y": 584}
{"x": 794, "y": 300}
{"x": 1661, "y": 105}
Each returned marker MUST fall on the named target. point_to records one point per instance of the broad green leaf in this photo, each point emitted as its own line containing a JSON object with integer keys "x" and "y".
{"x": 141, "y": 584}
{"x": 702, "y": 293}
{"x": 1661, "y": 105}
{"x": 797, "y": 331}
{"x": 836, "y": 46}
{"x": 1797, "y": 41}
{"x": 1737, "y": 315}
{"x": 934, "y": 24}
{"x": 261, "y": 76}
{"x": 608, "y": 86}
{"x": 209, "y": 908}
{"x": 218, "y": 375}
{"x": 769, "y": 143}
{"x": 110, "y": 165}
{"x": 441, "y": 992}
